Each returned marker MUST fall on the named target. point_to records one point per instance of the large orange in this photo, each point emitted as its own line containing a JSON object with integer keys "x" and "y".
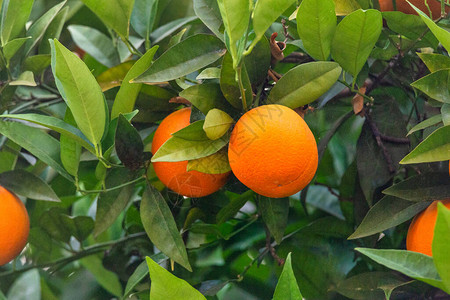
{"x": 421, "y": 231}
{"x": 14, "y": 226}
{"x": 403, "y": 6}
{"x": 174, "y": 174}
{"x": 272, "y": 151}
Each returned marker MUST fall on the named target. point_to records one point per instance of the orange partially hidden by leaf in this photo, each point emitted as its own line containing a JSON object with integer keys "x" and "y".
{"x": 272, "y": 151}
{"x": 14, "y": 226}
{"x": 421, "y": 231}
{"x": 174, "y": 174}
{"x": 403, "y": 6}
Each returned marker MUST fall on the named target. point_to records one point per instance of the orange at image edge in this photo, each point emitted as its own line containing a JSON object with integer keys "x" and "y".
{"x": 14, "y": 226}
{"x": 404, "y": 7}
{"x": 421, "y": 231}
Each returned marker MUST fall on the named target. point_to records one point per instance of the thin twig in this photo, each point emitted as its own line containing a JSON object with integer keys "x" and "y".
{"x": 272, "y": 251}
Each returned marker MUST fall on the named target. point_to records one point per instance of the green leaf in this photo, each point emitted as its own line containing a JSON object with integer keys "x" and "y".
{"x": 56, "y": 125}
{"x": 53, "y": 224}
{"x": 160, "y": 226}
{"x": 229, "y": 85}
{"x": 70, "y": 148}
{"x": 28, "y": 185}
{"x": 97, "y": 44}
{"x": 138, "y": 275}
{"x": 128, "y": 92}
{"x": 208, "y": 11}
{"x": 167, "y": 29}
{"x": 129, "y": 145}
{"x": 81, "y": 92}
{"x": 436, "y": 147}
{"x": 233, "y": 207}
{"x": 257, "y": 63}
{"x": 386, "y": 213}
{"x": 38, "y": 143}
{"x": 14, "y": 16}
{"x": 435, "y": 62}
{"x": 441, "y": 244}
{"x": 115, "y": 14}
{"x": 206, "y": 97}
{"x": 107, "y": 279}
{"x": 216, "y": 163}
{"x": 27, "y": 286}
{"x": 345, "y": 7}
{"x": 316, "y": 24}
{"x": 192, "y": 132}
{"x": 265, "y": 13}
{"x": 143, "y": 16}
{"x": 217, "y": 123}
{"x": 427, "y": 123}
{"x": 355, "y": 38}
{"x": 435, "y": 85}
{"x": 441, "y": 34}
{"x": 25, "y": 79}
{"x": 209, "y": 73}
{"x": 37, "y": 30}
{"x": 416, "y": 265}
{"x": 304, "y": 84}
{"x": 53, "y": 30}
{"x": 422, "y": 187}
{"x": 275, "y": 214}
{"x": 287, "y": 287}
{"x": 193, "y": 53}
{"x": 37, "y": 63}
{"x": 13, "y": 46}
{"x": 178, "y": 149}
{"x": 114, "y": 76}
{"x": 167, "y": 286}
{"x": 445, "y": 111}
{"x": 80, "y": 226}
{"x": 235, "y": 15}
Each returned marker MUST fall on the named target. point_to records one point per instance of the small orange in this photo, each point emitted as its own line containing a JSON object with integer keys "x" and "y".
{"x": 174, "y": 174}
{"x": 403, "y": 6}
{"x": 14, "y": 226}
{"x": 421, "y": 231}
{"x": 272, "y": 151}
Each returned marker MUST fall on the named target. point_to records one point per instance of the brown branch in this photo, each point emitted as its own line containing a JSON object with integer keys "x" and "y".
{"x": 271, "y": 249}
{"x": 394, "y": 140}
{"x": 285, "y": 31}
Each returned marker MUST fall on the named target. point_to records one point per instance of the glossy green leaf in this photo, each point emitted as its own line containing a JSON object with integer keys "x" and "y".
{"x": 435, "y": 62}
{"x": 161, "y": 228}
{"x": 81, "y": 92}
{"x": 441, "y": 245}
{"x": 436, "y": 147}
{"x": 165, "y": 285}
{"x": 70, "y": 148}
{"x": 129, "y": 145}
{"x": 114, "y": 76}
{"x": 435, "y": 85}
{"x": 115, "y": 14}
{"x": 230, "y": 86}
{"x": 27, "y": 286}
{"x": 257, "y": 63}
{"x": 37, "y": 142}
{"x": 143, "y": 16}
{"x": 216, "y": 163}
{"x": 38, "y": 28}
{"x": 13, "y": 46}
{"x": 287, "y": 287}
{"x": 235, "y": 15}
{"x": 178, "y": 149}
{"x": 128, "y": 92}
{"x": 275, "y": 214}
{"x": 192, "y": 132}
{"x": 97, "y": 44}
{"x": 53, "y": 31}
{"x": 265, "y": 13}
{"x": 193, "y": 53}
{"x": 316, "y": 23}
{"x": 80, "y": 226}
{"x": 56, "y": 125}
{"x": 107, "y": 279}
{"x": 427, "y": 123}
{"x": 37, "y": 63}
{"x": 167, "y": 29}
{"x": 26, "y": 79}
{"x": 208, "y": 11}
{"x": 445, "y": 112}
{"x": 355, "y": 38}
{"x": 233, "y": 207}
{"x": 14, "y": 16}
{"x": 345, "y": 7}
{"x": 209, "y": 73}
{"x": 416, "y": 265}
{"x": 28, "y": 185}
{"x": 217, "y": 123}
{"x": 304, "y": 84}
{"x": 206, "y": 97}
{"x": 422, "y": 187}
{"x": 386, "y": 213}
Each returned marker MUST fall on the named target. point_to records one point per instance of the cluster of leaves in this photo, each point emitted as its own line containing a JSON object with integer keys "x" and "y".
{"x": 76, "y": 129}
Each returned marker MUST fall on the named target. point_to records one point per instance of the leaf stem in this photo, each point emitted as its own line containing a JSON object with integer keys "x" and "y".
{"x": 111, "y": 189}
{"x": 241, "y": 87}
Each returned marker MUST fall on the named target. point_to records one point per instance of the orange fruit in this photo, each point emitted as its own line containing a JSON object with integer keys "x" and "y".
{"x": 174, "y": 174}
{"x": 421, "y": 231}
{"x": 14, "y": 226}
{"x": 272, "y": 151}
{"x": 403, "y": 6}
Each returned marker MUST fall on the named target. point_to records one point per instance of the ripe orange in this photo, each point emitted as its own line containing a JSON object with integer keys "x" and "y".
{"x": 272, "y": 151}
{"x": 403, "y": 6}
{"x": 14, "y": 226}
{"x": 421, "y": 231}
{"x": 174, "y": 174}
